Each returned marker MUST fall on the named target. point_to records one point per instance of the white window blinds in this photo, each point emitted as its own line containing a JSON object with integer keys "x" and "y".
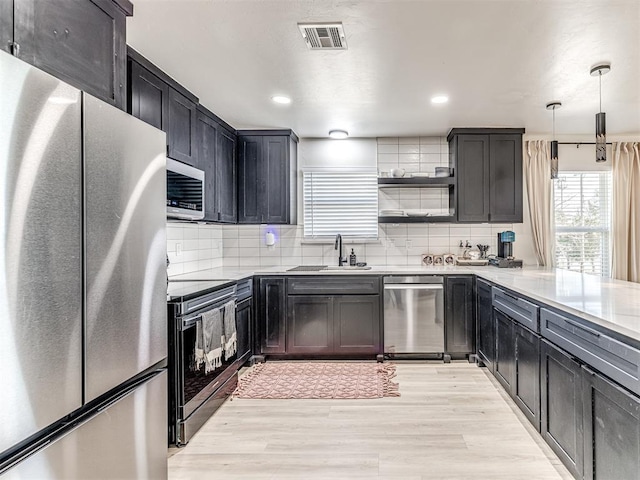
{"x": 583, "y": 217}
{"x": 340, "y": 202}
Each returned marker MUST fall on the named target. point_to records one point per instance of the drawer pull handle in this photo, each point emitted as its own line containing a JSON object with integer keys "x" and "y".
{"x": 584, "y": 329}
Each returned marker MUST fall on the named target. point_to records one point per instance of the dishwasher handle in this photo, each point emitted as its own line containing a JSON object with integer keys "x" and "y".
{"x": 413, "y": 286}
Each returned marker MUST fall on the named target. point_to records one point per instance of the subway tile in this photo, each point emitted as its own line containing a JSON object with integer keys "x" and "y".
{"x": 391, "y": 158}
{"x": 375, "y": 260}
{"x": 248, "y": 231}
{"x": 230, "y": 243}
{"x": 174, "y": 232}
{"x": 405, "y": 149}
{"x": 430, "y": 149}
{"x": 269, "y": 261}
{"x": 409, "y": 140}
{"x": 205, "y": 254}
{"x": 312, "y": 260}
{"x": 387, "y": 148}
{"x": 231, "y": 262}
{"x": 291, "y": 261}
{"x": 250, "y": 242}
{"x": 190, "y": 232}
{"x": 387, "y": 140}
{"x": 205, "y": 264}
{"x": 312, "y": 250}
{"x": 431, "y": 140}
{"x": 205, "y": 244}
{"x": 175, "y": 269}
{"x": 230, "y": 231}
{"x": 249, "y": 261}
{"x": 191, "y": 266}
{"x": 397, "y": 260}
{"x": 189, "y": 256}
{"x": 438, "y": 231}
{"x": 269, "y": 252}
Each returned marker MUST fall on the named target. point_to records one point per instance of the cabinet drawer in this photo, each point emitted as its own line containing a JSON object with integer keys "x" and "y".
{"x": 520, "y": 310}
{"x": 615, "y": 359}
{"x": 322, "y": 285}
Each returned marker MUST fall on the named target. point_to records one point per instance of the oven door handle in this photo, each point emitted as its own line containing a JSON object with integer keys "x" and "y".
{"x": 189, "y": 321}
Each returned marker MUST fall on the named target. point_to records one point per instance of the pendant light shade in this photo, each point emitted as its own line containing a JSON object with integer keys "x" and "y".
{"x": 554, "y": 143}
{"x": 601, "y": 124}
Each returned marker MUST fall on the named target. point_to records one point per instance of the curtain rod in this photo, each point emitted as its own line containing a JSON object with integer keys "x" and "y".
{"x": 580, "y": 143}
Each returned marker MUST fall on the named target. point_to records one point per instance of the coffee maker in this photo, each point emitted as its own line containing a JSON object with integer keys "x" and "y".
{"x": 505, "y": 251}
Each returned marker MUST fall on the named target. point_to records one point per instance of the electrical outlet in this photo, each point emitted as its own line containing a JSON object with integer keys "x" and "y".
{"x": 391, "y": 242}
{"x": 409, "y": 243}
{"x": 178, "y": 249}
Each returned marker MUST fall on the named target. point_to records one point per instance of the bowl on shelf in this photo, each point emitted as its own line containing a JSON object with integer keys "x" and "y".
{"x": 420, "y": 174}
{"x": 397, "y": 172}
{"x": 416, "y": 213}
{"x": 391, "y": 212}
{"x": 443, "y": 172}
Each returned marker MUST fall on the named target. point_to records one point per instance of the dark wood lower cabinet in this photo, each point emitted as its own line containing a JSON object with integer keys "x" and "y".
{"x": 485, "y": 337}
{"x": 459, "y": 316}
{"x": 333, "y": 324}
{"x": 561, "y": 406}
{"x": 526, "y": 386}
{"x": 309, "y": 324}
{"x": 272, "y": 314}
{"x": 356, "y": 325}
{"x": 611, "y": 429}
{"x": 505, "y": 351}
{"x": 244, "y": 326}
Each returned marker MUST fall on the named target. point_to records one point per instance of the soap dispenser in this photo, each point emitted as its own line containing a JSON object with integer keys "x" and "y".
{"x": 352, "y": 258}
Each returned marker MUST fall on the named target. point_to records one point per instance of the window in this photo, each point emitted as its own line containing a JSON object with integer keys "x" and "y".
{"x": 340, "y": 202}
{"x": 583, "y": 211}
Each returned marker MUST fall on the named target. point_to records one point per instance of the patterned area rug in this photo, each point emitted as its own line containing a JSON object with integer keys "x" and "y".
{"x": 318, "y": 380}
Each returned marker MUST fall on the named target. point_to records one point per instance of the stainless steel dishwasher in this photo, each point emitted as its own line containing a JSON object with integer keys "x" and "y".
{"x": 414, "y": 315}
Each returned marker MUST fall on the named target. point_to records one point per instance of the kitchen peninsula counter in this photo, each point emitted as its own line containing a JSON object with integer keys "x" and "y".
{"x": 607, "y": 303}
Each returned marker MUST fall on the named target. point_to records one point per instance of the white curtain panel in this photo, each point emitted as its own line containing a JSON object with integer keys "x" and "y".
{"x": 626, "y": 211}
{"x": 537, "y": 174}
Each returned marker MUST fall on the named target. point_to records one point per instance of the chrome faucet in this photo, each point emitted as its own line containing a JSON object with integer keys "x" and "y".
{"x": 338, "y": 246}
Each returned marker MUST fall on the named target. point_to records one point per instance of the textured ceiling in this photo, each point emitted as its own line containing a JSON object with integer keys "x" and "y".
{"x": 499, "y": 62}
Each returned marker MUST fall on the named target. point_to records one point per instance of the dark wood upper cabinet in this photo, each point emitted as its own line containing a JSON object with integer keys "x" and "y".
{"x": 148, "y": 96}
{"x": 215, "y": 155}
{"x": 6, "y": 25}
{"x": 80, "y": 42}
{"x": 488, "y": 170}
{"x": 473, "y": 178}
{"x": 206, "y": 148}
{"x": 181, "y": 131}
{"x": 267, "y": 176}
{"x": 505, "y": 178}
{"x": 226, "y": 176}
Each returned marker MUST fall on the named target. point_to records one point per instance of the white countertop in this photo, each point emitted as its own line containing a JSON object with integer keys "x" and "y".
{"x": 613, "y": 304}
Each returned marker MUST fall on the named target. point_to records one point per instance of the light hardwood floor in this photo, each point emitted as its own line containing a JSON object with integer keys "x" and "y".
{"x": 451, "y": 422}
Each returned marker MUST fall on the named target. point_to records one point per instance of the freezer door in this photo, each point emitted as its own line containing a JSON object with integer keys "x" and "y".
{"x": 126, "y": 440}
{"x": 40, "y": 250}
{"x": 125, "y": 246}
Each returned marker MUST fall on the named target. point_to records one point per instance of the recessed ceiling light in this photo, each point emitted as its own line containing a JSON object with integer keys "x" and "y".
{"x": 338, "y": 134}
{"x": 281, "y": 99}
{"x": 439, "y": 99}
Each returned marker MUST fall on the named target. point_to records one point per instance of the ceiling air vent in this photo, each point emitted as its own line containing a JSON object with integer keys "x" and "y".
{"x": 323, "y": 36}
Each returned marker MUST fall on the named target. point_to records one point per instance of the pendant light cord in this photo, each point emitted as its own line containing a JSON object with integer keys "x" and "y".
{"x": 600, "y": 76}
{"x": 554, "y": 122}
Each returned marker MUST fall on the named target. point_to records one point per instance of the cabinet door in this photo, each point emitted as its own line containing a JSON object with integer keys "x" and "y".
{"x": 6, "y": 25}
{"x": 473, "y": 178}
{"x": 274, "y": 185}
{"x": 561, "y": 406}
{"x": 486, "y": 340}
{"x": 272, "y": 314}
{"x": 459, "y": 331}
{"x": 505, "y": 174}
{"x": 226, "y": 177}
{"x": 526, "y": 387}
{"x": 611, "y": 429}
{"x": 148, "y": 96}
{"x": 181, "y": 129}
{"x": 356, "y": 325}
{"x": 244, "y": 322}
{"x": 249, "y": 179}
{"x": 505, "y": 351}
{"x": 309, "y": 324}
{"x": 206, "y": 148}
{"x": 82, "y": 43}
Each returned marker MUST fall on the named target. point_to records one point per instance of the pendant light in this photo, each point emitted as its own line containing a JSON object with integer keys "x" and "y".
{"x": 601, "y": 128}
{"x": 554, "y": 143}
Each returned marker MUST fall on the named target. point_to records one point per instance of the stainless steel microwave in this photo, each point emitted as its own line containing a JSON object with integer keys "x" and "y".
{"x": 185, "y": 191}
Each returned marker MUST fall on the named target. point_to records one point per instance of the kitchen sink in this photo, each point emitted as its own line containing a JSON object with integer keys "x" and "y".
{"x": 319, "y": 268}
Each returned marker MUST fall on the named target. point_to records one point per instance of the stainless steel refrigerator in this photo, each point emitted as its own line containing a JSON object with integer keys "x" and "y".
{"x": 82, "y": 284}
